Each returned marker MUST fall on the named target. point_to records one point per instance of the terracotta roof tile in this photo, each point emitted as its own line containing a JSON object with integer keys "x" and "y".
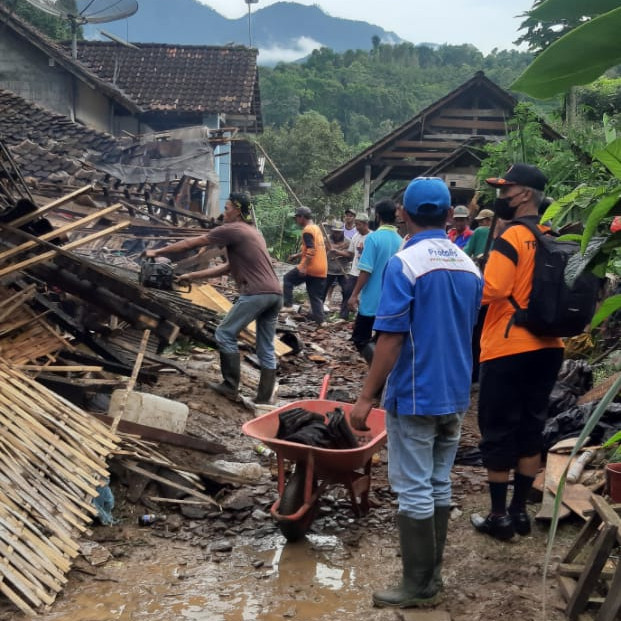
{"x": 181, "y": 78}
{"x": 42, "y": 142}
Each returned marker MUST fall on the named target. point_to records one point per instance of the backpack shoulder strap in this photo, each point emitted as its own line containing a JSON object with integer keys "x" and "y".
{"x": 532, "y": 226}
{"x": 536, "y": 231}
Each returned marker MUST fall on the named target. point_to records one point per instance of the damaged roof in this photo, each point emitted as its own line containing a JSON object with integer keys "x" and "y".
{"x": 180, "y": 78}
{"x": 159, "y": 77}
{"x": 46, "y": 145}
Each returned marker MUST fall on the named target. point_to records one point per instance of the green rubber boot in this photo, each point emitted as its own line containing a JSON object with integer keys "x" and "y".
{"x": 418, "y": 556}
{"x": 441, "y": 520}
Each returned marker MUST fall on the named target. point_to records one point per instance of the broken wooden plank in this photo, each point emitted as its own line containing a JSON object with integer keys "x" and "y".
{"x": 28, "y": 245}
{"x": 55, "y": 203}
{"x": 61, "y": 368}
{"x": 74, "y": 244}
{"x": 165, "y": 437}
{"x": 132, "y": 380}
{"x": 575, "y": 496}
{"x": 546, "y": 511}
{"x": 188, "y": 490}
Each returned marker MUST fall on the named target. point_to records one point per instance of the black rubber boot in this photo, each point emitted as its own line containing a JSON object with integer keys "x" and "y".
{"x": 418, "y": 556}
{"x": 367, "y": 352}
{"x": 441, "y": 520}
{"x": 267, "y": 381}
{"x": 230, "y": 367}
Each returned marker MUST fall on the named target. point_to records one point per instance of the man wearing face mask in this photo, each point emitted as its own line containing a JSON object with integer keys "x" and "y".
{"x": 518, "y": 369}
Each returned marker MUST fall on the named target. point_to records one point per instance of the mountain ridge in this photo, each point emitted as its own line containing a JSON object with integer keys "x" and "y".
{"x": 285, "y": 31}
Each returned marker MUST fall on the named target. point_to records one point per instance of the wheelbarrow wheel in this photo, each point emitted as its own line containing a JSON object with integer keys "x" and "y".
{"x": 292, "y": 499}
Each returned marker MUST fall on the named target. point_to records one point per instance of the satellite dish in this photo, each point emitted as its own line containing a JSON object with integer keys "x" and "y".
{"x": 79, "y": 12}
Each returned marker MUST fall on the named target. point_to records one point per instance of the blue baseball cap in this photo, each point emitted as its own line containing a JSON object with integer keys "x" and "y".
{"x": 427, "y": 196}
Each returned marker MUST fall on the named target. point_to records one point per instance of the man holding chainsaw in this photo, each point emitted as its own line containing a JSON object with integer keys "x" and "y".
{"x": 260, "y": 294}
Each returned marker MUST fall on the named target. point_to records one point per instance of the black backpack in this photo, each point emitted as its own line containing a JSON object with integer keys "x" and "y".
{"x": 554, "y": 308}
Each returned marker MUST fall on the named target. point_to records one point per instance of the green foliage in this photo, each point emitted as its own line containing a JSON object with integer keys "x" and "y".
{"x": 273, "y": 212}
{"x": 610, "y": 305}
{"x": 53, "y": 27}
{"x": 305, "y": 150}
{"x": 562, "y": 161}
{"x": 602, "y": 97}
{"x": 366, "y": 91}
{"x": 579, "y": 56}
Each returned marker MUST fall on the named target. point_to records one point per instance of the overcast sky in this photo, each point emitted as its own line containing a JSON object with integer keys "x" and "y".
{"x": 484, "y": 23}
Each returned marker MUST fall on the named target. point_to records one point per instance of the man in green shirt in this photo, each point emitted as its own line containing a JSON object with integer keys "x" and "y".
{"x": 475, "y": 246}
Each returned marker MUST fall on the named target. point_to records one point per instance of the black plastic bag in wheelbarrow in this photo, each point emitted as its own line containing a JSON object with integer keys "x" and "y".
{"x": 304, "y": 427}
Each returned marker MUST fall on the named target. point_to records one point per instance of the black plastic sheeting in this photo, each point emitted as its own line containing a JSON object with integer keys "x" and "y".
{"x": 574, "y": 379}
{"x": 569, "y": 424}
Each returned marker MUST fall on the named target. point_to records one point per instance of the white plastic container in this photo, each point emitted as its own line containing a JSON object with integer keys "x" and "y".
{"x": 150, "y": 410}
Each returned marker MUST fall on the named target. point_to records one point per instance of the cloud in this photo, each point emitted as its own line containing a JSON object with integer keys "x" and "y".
{"x": 299, "y": 48}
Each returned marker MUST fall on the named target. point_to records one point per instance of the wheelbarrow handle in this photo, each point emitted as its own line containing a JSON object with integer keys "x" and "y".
{"x": 324, "y": 386}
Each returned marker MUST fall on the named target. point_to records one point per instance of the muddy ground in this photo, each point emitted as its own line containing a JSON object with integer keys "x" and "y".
{"x": 235, "y": 565}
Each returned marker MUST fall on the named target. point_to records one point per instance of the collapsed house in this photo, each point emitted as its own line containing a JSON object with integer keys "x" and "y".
{"x": 95, "y": 166}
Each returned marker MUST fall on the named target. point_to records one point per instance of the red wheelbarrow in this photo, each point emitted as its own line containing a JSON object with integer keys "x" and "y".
{"x": 317, "y": 468}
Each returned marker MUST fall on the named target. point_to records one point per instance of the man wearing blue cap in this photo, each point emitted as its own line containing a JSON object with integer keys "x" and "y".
{"x": 428, "y": 308}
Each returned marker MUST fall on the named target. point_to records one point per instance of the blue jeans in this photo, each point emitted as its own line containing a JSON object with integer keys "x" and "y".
{"x": 262, "y": 308}
{"x": 421, "y": 452}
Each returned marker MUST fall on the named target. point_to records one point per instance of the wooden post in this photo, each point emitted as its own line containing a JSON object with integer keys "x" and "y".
{"x": 132, "y": 379}
{"x": 367, "y": 187}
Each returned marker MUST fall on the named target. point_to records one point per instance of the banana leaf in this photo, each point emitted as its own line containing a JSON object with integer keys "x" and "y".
{"x": 556, "y": 10}
{"x": 609, "y": 306}
{"x": 610, "y": 157}
{"x": 579, "y": 57}
{"x": 597, "y": 214}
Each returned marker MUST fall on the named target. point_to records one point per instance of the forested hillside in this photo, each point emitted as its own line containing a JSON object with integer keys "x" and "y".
{"x": 371, "y": 92}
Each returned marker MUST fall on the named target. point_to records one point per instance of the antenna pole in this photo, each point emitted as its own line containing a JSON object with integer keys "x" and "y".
{"x": 74, "y": 37}
{"x": 249, "y": 3}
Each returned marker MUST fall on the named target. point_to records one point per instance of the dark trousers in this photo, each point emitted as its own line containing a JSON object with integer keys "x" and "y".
{"x": 513, "y": 405}
{"x": 476, "y": 343}
{"x": 362, "y": 334}
{"x": 315, "y": 288}
{"x": 341, "y": 280}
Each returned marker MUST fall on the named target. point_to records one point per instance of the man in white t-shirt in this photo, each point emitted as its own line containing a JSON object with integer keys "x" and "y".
{"x": 349, "y": 223}
{"x": 356, "y": 244}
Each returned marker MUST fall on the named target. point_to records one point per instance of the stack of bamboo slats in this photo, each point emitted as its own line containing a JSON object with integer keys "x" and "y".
{"x": 52, "y": 459}
{"x": 25, "y": 336}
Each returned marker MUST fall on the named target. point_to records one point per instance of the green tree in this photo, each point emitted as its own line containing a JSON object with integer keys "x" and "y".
{"x": 54, "y": 27}
{"x": 305, "y": 151}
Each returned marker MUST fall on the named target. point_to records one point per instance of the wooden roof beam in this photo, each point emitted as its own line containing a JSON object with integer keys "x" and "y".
{"x": 448, "y": 145}
{"x": 497, "y": 113}
{"x": 416, "y": 154}
{"x": 467, "y": 123}
{"x": 465, "y": 137}
{"x": 377, "y": 182}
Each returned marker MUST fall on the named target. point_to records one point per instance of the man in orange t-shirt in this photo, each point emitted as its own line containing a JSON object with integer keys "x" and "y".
{"x": 518, "y": 369}
{"x": 313, "y": 267}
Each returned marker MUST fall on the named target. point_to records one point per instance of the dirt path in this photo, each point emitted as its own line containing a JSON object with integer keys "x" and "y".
{"x": 235, "y": 565}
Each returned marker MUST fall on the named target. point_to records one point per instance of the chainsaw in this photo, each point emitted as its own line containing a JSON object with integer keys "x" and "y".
{"x": 159, "y": 274}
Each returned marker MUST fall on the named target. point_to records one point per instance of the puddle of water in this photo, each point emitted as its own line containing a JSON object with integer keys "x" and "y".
{"x": 305, "y": 580}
